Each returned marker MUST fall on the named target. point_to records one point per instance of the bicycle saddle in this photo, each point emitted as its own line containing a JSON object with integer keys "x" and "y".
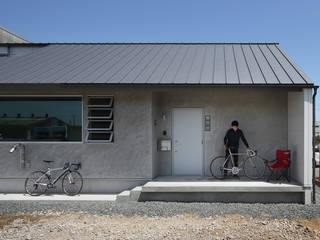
{"x": 48, "y": 161}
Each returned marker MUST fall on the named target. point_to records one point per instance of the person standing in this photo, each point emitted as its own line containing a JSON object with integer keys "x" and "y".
{"x": 231, "y": 141}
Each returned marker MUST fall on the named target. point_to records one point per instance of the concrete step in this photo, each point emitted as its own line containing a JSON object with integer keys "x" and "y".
{"x": 129, "y": 195}
{"x": 222, "y": 186}
{"x": 123, "y": 196}
{"x": 190, "y": 189}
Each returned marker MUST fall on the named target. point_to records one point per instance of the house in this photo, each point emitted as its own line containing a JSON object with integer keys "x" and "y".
{"x": 133, "y": 112}
{"x": 7, "y": 36}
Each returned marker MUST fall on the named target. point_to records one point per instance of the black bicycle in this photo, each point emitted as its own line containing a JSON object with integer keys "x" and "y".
{"x": 38, "y": 182}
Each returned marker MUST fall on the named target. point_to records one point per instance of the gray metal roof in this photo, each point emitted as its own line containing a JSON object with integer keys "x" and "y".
{"x": 218, "y": 64}
{"x": 9, "y": 37}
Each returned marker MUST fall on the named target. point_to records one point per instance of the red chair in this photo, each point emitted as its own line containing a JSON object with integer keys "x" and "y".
{"x": 280, "y": 165}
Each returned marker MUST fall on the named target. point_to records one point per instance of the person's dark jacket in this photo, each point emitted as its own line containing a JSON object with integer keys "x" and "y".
{"x": 232, "y": 138}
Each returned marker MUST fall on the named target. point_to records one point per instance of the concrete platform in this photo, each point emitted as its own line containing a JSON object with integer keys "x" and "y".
{"x": 199, "y": 184}
{"x": 207, "y": 189}
{"x": 58, "y": 197}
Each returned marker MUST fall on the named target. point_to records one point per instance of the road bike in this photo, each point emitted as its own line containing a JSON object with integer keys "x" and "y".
{"x": 38, "y": 182}
{"x": 252, "y": 165}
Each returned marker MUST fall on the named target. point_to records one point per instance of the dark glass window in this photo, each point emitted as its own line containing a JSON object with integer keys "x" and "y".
{"x": 40, "y": 119}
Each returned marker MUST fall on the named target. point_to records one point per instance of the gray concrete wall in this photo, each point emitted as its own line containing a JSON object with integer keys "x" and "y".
{"x": 295, "y": 134}
{"x": 155, "y": 155}
{"x": 262, "y": 114}
{"x": 128, "y": 159}
{"x": 133, "y": 157}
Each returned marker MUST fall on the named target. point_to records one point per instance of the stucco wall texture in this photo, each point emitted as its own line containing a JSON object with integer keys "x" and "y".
{"x": 262, "y": 113}
{"x": 128, "y": 157}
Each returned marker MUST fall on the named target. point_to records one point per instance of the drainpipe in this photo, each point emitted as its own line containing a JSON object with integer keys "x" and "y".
{"x": 313, "y": 144}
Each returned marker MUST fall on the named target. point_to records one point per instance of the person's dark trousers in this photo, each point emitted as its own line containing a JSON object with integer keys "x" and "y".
{"x": 235, "y": 157}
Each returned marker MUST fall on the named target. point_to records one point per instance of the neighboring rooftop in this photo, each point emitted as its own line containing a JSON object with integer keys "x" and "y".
{"x": 9, "y": 37}
{"x": 154, "y": 63}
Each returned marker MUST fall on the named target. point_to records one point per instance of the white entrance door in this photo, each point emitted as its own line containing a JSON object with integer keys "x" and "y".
{"x": 187, "y": 141}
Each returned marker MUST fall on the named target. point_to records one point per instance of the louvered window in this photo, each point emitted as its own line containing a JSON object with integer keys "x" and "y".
{"x": 100, "y": 119}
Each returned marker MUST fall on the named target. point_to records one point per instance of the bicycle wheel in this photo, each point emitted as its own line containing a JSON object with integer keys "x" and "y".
{"x": 36, "y": 183}
{"x": 72, "y": 183}
{"x": 216, "y": 167}
{"x": 254, "y": 167}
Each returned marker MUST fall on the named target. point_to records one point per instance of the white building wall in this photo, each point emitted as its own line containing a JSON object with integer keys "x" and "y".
{"x": 307, "y": 93}
{"x": 300, "y": 138}
{"x": 296, "y": 134}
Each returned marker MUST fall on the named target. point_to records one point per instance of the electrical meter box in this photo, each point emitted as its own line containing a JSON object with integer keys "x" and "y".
{"x": 164, "y": 145}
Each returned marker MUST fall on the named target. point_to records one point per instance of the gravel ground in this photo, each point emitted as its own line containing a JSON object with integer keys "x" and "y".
{"x": 165, "y": 209}
{"x": 158, "y": 220}
{"x": 84, "y": 226}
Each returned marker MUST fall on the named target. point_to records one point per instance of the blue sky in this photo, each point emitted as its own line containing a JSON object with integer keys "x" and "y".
{"x": 295, "y": 24}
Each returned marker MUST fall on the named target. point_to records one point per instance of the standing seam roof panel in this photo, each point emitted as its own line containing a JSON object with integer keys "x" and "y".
{"x": 277, "y": 68}
{"x": 136, "y": 71}
{"x": 123, "y": 64}
{"x": 243, "y": 71}
{"x": 163, "y": 66}
{"x": 24, "y": 63}
{"x": 219, "y": 66}
{"x": 264, "y": 66}
{"x": 294, "y": 76}
{"x": 100, "y": 68}
{"x": 90, "y": 68}
{"x": 208, "y": 64}
{"x": 92, "y": 60}
{"x": 172, "y": 68}
{"x": 162, "y": 80}
{"x": 62, "y": 68}
{"x": 254, "y": 69}
{"x": 231, "y": 67}
{"x": 197, "y": 65}
{"x": 73, "y": 66}
{"x": 148, "y": 71}
{"x": 38, "y": 67}
{"x": 249, "y": 64}
{"x": 185, "y": 66}
{"x": 297, "y": 68}
{"x": 128, "y": 68}
{"x": 36, "y": 53}
{"x": 116, "y": 63}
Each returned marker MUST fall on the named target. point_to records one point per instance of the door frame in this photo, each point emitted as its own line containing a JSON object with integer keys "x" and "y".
{"x": 202, "y": 136}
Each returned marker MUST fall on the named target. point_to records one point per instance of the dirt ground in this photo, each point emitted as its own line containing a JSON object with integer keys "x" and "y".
{"x": 85, "y": 226}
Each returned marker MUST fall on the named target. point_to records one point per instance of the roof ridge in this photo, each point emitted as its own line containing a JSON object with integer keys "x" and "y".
{"x": 145, "y": 43}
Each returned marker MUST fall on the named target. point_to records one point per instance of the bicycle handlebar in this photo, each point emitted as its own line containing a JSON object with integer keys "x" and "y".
{"x": 68, "y": 165}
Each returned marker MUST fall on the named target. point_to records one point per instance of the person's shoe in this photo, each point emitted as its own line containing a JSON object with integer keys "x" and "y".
{"x": 225, "y": 173}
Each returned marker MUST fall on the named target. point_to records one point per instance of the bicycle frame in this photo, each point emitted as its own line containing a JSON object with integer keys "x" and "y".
{"x": 48, "y": 174}
{"x": 232, "y": 160}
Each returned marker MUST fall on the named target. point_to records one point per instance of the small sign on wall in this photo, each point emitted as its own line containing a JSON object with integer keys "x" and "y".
{"x": 164, "y": 145}
{"x": 207, "y": 123}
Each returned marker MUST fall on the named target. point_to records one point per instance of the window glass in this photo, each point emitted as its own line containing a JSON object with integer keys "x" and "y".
{"x": 40, "y": 119}
{"x": 100, "y": 119}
